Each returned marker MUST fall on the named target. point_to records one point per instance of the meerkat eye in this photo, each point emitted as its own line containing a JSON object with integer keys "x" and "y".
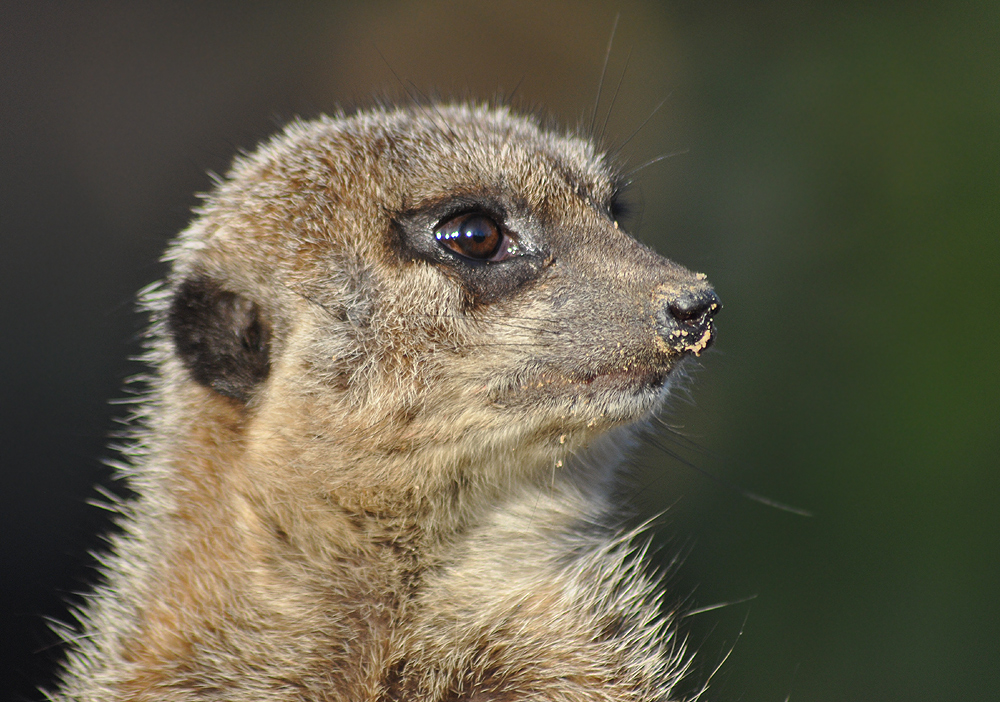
{"x": 475, "y": 236}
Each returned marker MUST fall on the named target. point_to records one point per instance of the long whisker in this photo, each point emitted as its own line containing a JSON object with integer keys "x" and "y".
{"x": 604, "y": 70}
{"x": 650, "y": 162}
{"x": 396, "y": 75}
{"x": 614, "y": 97}
{"x": 618, "y": 149}
{"x": 510, "y": 96}
{"x": 687, "y": 440}
{"x": 728, "y": 484}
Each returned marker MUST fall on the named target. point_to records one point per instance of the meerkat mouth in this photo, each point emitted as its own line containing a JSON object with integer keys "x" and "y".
{"x": 628, "y": 380}
{"x": 621, "y": 394}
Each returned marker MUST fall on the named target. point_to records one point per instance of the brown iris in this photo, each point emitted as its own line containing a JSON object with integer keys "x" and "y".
{"x": 475, "y": 236}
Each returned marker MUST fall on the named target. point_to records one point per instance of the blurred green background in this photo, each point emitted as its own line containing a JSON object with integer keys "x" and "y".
{"x": 839, "y": 183}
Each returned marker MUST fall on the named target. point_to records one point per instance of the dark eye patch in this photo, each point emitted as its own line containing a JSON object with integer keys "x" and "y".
{"x": 489, "y": 265}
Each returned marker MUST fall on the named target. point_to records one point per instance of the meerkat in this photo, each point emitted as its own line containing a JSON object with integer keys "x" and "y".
{"x": 396, "y": 359}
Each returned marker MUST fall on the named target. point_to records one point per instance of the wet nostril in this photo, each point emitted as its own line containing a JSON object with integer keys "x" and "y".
{"x": 686, "y": 315}
{"x": 694, "y": 308}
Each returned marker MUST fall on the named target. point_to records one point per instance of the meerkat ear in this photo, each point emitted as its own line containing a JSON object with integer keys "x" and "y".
{"x": 221, "y": 337}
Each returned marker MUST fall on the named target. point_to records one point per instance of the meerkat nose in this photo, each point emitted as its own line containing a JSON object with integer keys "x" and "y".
{"x": 695, "y": 307}
{"x": 686, "y": 323}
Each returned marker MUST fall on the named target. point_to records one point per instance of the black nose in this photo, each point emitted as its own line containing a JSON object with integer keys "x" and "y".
{"x": 685, "y": 322}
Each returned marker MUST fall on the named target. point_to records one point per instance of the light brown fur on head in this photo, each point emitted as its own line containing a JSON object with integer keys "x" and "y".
{"x": 355, "y": 478}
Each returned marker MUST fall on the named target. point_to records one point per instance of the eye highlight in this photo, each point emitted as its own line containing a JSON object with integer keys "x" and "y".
{"x": 476, "y": 237}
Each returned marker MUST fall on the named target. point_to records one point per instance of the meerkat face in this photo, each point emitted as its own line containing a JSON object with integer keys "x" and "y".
{"x": 448, "y": 280}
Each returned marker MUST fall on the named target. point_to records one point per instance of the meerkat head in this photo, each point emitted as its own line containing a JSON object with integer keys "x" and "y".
{"x": 398, "y": 295}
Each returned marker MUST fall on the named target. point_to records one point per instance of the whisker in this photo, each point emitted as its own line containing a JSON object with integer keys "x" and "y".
{"x": 728, "y": 484}
{"x": 510, "y": 96}
{"x": 650, "y": 162}
{"x": 604, "y": 70}
{"x": 618, "y": 149}
{"x": 310, "y": 300}
{"x": 611, "y": 107}
{"x": 396, "y": 75}
{"x": 687, "y": 440}
{"x": 433, "y": 106}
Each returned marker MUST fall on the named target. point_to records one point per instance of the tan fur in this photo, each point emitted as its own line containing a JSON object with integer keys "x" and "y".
{"x": 400, "y": 509}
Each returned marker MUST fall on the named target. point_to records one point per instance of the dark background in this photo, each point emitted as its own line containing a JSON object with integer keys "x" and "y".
{"x": 839, "y": 186}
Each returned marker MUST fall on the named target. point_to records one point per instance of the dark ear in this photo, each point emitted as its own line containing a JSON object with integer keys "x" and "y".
{"x": 220, "y": 337}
